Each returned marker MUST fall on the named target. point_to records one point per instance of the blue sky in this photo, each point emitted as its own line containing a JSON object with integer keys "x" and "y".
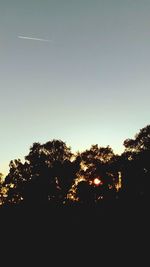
{"x": 89, "y": 85}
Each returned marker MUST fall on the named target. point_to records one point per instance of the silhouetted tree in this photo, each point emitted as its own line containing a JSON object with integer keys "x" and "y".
{"x": 46, "y": 175}
{"x": 141, "y": 142}
{"x": 136, "y": 169}
{"x": 1, "y": 189}
{"x": 85, "y": 193}
{"x": 96, "y": 163}
{"x": 51, "y": 174}
{"x": 19, "y": 174}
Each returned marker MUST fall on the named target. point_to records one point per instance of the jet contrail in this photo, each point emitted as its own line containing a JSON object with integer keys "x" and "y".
{"x": 34, "y": 39}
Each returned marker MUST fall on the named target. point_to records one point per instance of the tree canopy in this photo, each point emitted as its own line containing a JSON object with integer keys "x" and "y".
{"x": 52, "y": 175}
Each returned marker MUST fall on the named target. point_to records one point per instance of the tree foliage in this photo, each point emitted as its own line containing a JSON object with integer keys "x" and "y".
{"x": 47, "y": 174}
{"x": 136, "y": 168}
{"x": 97, "y": 163}
{"x": 141, "y": 142}
{"x": 52, "y": 175}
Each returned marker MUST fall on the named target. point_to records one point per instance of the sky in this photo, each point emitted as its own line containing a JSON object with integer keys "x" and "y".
{"x": 75, "y": 70}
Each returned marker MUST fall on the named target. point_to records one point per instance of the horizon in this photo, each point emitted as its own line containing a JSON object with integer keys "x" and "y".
{"x": 4, "y": 167}
{"x": 79, "y": 73}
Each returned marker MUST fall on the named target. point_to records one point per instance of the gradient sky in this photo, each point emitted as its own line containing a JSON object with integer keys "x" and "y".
{"x": 90, "y": 84}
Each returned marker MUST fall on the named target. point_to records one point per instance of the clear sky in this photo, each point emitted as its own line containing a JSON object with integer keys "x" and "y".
{"x": 89, "y": 85}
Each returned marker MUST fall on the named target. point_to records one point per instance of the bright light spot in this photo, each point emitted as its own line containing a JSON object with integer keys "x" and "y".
{"x": 101, "y": 197}
{"x": 97, "y": 181}
{"x": 119, "y": 184}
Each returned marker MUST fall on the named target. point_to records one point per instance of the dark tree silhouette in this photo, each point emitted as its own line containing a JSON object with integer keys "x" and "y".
{"x": 141, "y": 141}
{"x": 2, "y": 190}
{"x": 136, "y": 166}
{"x": 96, "y": 163}
{"x": 52, "y": 175}
{"x": 47, "y": 174}
{"x": 85, "y": 193}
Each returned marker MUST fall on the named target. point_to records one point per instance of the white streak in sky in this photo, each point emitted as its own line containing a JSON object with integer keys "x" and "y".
{"x": 34, "y": 39}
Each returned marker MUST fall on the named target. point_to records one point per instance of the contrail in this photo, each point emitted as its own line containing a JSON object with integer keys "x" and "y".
{"x": 34, "y": 39}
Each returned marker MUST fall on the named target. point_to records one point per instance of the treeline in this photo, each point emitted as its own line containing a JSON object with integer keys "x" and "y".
{"x": 52, "y": 175}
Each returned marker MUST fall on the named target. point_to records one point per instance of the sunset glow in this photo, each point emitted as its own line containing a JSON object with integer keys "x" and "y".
{"x": 72, "y": 133}
{"x": 97, "y": 181}
{"x": 53, "y": 87}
